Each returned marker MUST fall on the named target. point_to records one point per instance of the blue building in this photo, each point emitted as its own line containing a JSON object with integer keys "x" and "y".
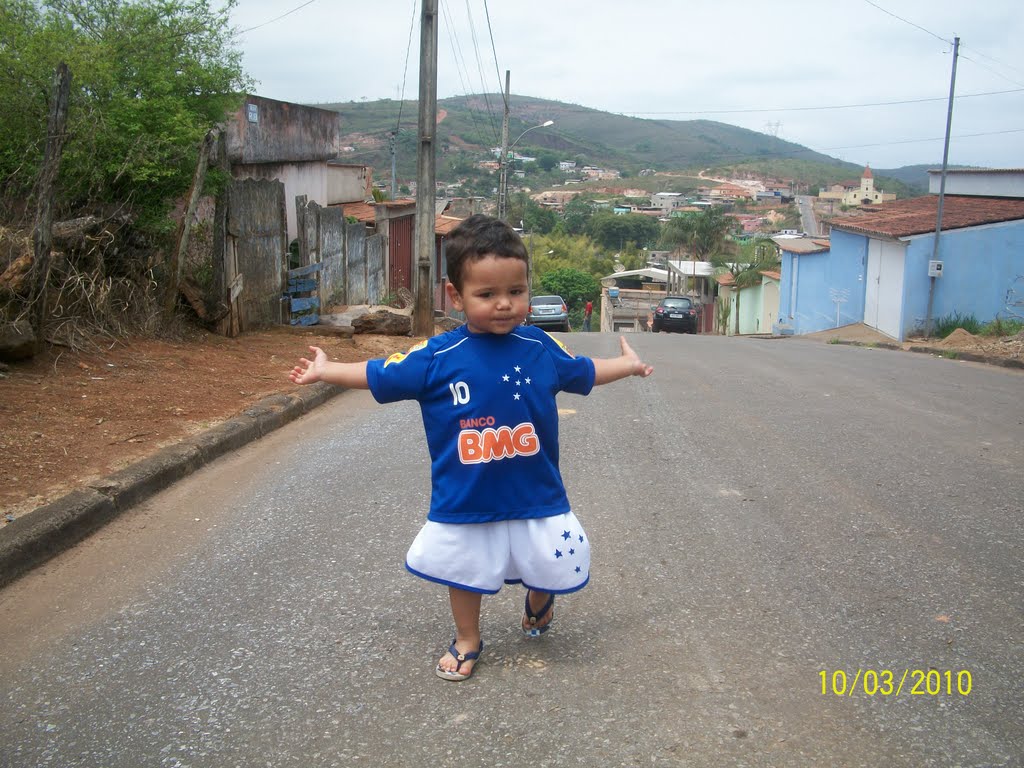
{"x": 880, "y": 267}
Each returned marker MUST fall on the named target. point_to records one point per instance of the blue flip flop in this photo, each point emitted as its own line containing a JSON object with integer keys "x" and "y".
{"x": 533, "y": 630}
{"x": 461, "y": 658}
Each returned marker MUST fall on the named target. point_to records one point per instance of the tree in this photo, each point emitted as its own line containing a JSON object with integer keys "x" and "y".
{"x": 573, "y": 285}
{"x": 150, "y": 78}
{"x": 615, "y": 231}
{"x": 546, "y": 161}
{"x": 699, "y": 234}
{"x": 535, "y": 217}
{"x": 576, "y": 214}
{"x": 757, "y": 256}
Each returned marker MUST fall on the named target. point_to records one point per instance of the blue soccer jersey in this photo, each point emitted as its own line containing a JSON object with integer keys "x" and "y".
{"x": 489, "y": 412}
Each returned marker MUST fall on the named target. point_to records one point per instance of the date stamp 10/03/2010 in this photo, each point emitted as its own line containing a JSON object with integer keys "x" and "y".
{"x": 901, "y": 682}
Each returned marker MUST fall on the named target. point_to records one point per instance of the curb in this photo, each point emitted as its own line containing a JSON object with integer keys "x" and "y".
{"x": 948, "y": 354}
{"x": 45, "y": 532}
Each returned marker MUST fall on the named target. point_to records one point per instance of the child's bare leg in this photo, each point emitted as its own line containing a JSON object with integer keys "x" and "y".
{"x": 466, "y": 612}
{"x": 537, "y": 600}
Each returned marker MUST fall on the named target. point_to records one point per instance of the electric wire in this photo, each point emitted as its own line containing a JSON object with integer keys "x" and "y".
{"x": 948, "y": 42}
{"x": 278, "y": 18}
{"x": 479, "y": 61}
{"x": 824, "y": 107}
{"x": 405, "y": 71}
{"x": 907, "y": 21}
{"x": 460, "y": 65}
{"x": 494, "y": 51}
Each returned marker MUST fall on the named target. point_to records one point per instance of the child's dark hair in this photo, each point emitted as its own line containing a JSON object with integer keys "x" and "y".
{"x": 480, "y": 236}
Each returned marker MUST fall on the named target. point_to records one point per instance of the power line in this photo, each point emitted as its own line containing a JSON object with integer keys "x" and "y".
{"x": 405, "y": 71}
{"x": 997, "y": 74}
{"x": 480, "y": 67}
{"x": 821, "y": 108}
{"x": 494, "y": 51}
{"x": 278, "y": 18}
{"x": 460, "y": 66}
{"x": 993, "y": 59}
{"x": 949, "y": 42}
{"x": 917, "y": 141}
{"x": 906, "y": 21}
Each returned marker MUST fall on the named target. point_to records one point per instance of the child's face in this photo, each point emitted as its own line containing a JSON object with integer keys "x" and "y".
{"x": 495, "y": 294}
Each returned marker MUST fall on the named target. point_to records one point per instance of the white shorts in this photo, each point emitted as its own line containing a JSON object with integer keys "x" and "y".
{"x": 546, "y": 554}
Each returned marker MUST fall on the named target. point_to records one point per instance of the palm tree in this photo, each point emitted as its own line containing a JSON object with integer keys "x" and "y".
{"x": 700, "y": 234}
{"x": 760, "y": 256}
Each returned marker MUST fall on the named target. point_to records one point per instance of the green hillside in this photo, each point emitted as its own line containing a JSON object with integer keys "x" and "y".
{"x": 470, "y": 126}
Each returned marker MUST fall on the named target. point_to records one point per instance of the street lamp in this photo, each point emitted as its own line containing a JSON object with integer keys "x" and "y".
{"x": 503, "y": 165}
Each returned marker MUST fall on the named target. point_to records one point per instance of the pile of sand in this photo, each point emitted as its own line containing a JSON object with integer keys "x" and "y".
{"x": 959, "y": 338}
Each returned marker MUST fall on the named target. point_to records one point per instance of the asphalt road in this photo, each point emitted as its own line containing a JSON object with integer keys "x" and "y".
{"x": 761, "y": 512}
{"x": 809, "y": 224}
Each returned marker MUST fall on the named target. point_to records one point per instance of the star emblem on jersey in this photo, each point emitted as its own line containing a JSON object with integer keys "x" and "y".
{"x": 518, "y": 380}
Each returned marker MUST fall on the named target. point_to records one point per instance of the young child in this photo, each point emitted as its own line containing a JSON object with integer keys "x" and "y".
{"x": 498, "y": 508}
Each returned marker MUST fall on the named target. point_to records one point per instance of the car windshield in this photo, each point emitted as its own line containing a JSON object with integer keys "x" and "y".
{"x": 538, "y": 300}
{"x": 676, "y": 303}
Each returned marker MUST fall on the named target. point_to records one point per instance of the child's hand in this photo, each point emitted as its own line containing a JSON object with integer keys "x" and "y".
{"x": 309, "y": 371}
{"x": 637, "y": 366}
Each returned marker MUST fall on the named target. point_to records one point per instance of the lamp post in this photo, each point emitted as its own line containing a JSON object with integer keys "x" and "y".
{"x": 503, "y": 166}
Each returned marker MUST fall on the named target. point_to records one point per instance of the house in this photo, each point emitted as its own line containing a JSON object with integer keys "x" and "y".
{"x": 297, "y": 145}
{"x": 667, "y": 201}
{"x": 880, "y": 268}
{"x": 756, "y": 306}
{"x": 395, "y": 220}
{"x": 731, "y": 192}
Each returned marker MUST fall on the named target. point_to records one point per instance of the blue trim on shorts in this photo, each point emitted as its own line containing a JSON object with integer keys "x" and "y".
{"x": 568, "y": 591}
{"x": 446, "y": 583}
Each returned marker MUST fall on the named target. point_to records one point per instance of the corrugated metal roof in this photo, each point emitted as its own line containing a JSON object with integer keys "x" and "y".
{"x": 443, "y": 225}
{"x": 986, "y": 171}
{"x": 801, "y": 244}
{"x": 916, "y": 216}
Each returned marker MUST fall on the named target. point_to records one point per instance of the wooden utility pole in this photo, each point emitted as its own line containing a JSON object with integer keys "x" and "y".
{"x": 42, "y": 234}
{"x": 177, "y": 259}
{"x": 423, "y": 313}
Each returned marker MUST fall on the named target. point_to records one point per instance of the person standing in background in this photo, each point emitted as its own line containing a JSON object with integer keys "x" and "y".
{"x": 587, "y": 312}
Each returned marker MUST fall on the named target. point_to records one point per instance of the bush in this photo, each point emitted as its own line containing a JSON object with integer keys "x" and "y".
{"x": 946, "y": 325}
{"x": 1002, "y": 327}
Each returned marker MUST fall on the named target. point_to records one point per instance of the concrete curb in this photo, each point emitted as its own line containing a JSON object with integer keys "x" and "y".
{"x": 34, "y": 538}
{"x": 949, "y": 354}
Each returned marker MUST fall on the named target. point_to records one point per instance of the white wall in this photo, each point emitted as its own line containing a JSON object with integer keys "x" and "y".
{"x": 991, "y": 183}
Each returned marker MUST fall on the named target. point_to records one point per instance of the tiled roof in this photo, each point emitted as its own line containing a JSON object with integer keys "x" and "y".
{"x": 366, "y": 214}
{"x": 363, "y": 212}
{"x": 772, "y": 274}
{"x": 916, "y": 216}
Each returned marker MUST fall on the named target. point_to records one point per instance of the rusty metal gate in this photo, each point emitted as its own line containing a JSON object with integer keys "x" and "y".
{"x": 400, "y": 249}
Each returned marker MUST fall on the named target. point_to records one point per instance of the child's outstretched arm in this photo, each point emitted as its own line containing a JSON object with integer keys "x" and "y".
{"x": 351, "y": 375}
{"x": 608, "y": 369}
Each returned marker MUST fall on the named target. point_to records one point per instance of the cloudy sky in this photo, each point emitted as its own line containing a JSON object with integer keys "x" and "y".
{"x": 866, "y": 81}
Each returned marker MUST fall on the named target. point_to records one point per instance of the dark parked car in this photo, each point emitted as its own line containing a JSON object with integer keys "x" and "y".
{"x": 675, "y": 313}
{"x": 548, "y": 312}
